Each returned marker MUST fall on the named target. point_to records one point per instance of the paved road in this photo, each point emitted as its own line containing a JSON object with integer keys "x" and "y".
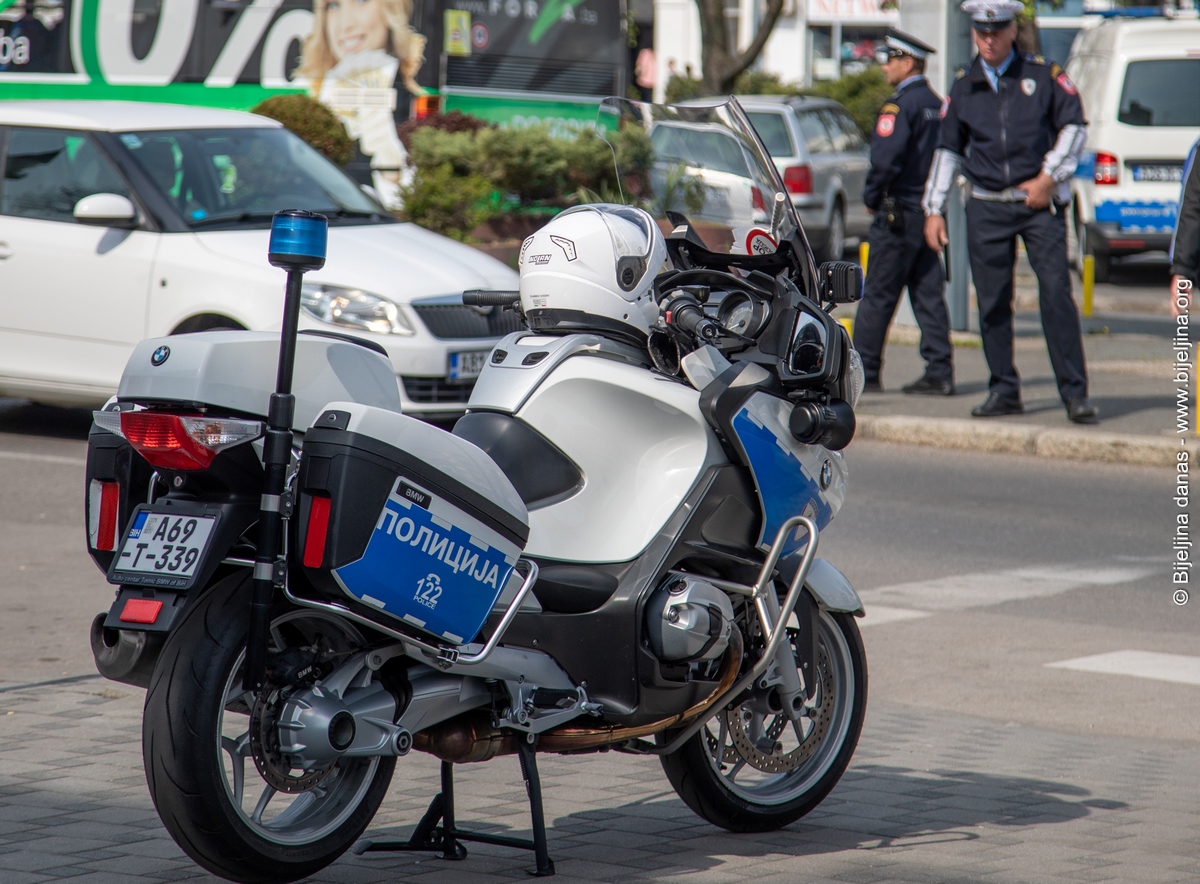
{"x": 982, "y": 759}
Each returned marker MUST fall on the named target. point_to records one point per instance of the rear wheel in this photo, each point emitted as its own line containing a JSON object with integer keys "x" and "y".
{"x": 234, "y": 806}
{"x": 835, "y": 243}
{"x": 751, "y": 770}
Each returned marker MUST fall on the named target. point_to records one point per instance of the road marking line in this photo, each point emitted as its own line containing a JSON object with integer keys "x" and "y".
{"x": 1140, "y": 664}
{"x": 996, "y": 587}
{"x": 43, "y": 458}
{"x": 874, "y": 615}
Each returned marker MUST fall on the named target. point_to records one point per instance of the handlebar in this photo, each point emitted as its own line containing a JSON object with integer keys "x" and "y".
{"x": 489, "y": 298}
{"x": 684, "y": 311}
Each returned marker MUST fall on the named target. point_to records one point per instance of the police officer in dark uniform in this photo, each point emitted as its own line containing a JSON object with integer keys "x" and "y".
{"x": 1014, "y": 125}
{"x": 906, "y": 134}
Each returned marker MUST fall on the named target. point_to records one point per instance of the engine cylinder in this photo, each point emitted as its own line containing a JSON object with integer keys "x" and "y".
{"x": 688, "y": 619}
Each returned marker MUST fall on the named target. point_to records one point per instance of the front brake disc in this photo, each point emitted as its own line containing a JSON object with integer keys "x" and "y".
{"x": 780, "y": 762}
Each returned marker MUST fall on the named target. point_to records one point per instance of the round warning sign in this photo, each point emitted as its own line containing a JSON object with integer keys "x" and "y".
{"x": 480, "y": 36}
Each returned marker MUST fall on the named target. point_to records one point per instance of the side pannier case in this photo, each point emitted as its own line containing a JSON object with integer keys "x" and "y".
{"x": 405, "y": 523}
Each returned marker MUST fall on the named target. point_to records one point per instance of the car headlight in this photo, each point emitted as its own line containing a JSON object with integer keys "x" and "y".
{"x": 355, "y": 308}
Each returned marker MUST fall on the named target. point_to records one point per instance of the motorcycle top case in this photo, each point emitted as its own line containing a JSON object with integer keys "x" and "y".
{"x": 423, "y": 528}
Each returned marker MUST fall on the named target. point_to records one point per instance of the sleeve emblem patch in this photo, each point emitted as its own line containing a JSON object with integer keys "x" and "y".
{"x": 886, "y": 125}
{"x": 945, "y": 106}
{"x": 1065, "y": 82}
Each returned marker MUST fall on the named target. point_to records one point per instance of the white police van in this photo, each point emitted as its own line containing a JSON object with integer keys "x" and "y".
{"x": 1139, "y": 79}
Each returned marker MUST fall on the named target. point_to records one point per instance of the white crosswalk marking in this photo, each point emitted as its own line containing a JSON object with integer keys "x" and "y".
{"x": 1140, "y": 664}
{"x": 906, "y": 601}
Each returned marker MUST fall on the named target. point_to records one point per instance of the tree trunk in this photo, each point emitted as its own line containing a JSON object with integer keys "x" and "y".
{"x": 720, "y": 67}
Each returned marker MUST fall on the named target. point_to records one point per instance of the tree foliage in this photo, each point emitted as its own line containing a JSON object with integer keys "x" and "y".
{"x": 312, "y": 121}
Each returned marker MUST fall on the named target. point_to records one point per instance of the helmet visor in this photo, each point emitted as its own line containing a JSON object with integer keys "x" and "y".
{"x": 632, "y": 235}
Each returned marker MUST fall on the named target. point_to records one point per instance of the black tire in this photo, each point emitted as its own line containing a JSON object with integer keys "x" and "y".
{"x": 1101, "y": 261}
{"x": 835, "y": 239}
{"x": 194, "y": 692}
{"x": 693, "y": 770}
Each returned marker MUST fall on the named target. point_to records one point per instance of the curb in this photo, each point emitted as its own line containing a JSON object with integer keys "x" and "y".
{"x": 1027, "y": 439}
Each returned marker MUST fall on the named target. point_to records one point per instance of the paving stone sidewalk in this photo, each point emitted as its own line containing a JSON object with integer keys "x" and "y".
{"x": 929, "y": 798}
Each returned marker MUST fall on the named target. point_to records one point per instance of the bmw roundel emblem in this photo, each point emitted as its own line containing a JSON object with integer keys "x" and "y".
{"x": 826, "y": 473}
{"x": 159, "y": 356}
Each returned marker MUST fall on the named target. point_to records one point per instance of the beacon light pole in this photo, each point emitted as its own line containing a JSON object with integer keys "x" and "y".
{"x": 297, "y": 245}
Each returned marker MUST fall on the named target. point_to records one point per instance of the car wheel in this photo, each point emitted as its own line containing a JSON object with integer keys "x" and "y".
{"x": 1102, "y": 261}
{"x": 207, "y": 322}
{"x": 835, "y": 242}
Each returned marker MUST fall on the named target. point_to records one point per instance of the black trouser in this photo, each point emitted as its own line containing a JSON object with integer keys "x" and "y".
{"x": 897, "y": 260}
{"x": 992, "y": 231}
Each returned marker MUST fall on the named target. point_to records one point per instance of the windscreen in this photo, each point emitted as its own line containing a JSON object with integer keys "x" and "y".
{"x": 703, "y": 163}
{"x": 223, "y": 177}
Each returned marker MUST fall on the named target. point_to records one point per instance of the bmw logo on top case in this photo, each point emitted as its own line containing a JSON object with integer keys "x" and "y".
{"x": 826, "y": 474}
{"x": 159, "y": 356}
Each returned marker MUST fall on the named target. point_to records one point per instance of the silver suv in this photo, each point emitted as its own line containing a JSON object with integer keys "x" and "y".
{"x": 823, "y": 158}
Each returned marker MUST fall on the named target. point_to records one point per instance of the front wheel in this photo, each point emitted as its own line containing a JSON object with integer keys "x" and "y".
{"x": 751, "y": 770}
{"x": 233, "y": 805}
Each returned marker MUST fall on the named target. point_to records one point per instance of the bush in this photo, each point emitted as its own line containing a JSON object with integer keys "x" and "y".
{"x": 434, "y": 147}
{"x": 525, "y": 162}
{"x": 312, "y": 121}
{"x": 682, "y": 88}
{"x": 455, "y": 121}
{"x": 441, "y": 200}
{"x": 862, "y": 94}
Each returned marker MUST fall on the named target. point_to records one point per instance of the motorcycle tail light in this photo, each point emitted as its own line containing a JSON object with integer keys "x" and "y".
{"x": 177, "y": 441}
{"x": 104, "y": 500}
{"x": 798, "y": 179}
{"x": 318, "y": 529}
{"x": 1107, "y": 169}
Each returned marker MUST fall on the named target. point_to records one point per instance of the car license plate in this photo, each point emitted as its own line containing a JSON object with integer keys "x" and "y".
{"x": 163, "y": 549}
{"x": 1169, "y": 174}
{"x": 464, "y": 366}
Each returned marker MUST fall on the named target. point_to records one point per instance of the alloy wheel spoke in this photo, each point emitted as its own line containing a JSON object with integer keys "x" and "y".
{"x": 263, "y": 800}
{"x": 238, "y": 750}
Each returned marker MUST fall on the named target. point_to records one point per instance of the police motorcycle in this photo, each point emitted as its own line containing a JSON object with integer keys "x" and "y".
{"x": 615, "y": 548}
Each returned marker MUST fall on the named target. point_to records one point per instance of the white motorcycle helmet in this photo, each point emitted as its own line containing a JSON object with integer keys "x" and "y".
{"x": 592, "y": 268}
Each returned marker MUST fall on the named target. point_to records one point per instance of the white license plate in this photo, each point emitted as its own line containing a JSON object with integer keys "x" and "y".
{"x": 165, "y": 543}
{"x": 1169, "y": 174}
{"x": 464, "y": 366}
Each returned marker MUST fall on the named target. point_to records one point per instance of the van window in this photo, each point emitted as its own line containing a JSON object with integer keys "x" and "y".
{"x": 772, "y": 129}
{"x": 1162, "y": 92}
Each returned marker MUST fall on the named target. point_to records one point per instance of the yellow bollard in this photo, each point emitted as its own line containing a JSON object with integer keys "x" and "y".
{"x": 848, "y": 324}
{"x": 864, "y": 251}
{"x": 1089, "y": 283}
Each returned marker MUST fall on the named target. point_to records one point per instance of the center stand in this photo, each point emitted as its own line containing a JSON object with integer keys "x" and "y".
{"x": 437, "y": 832}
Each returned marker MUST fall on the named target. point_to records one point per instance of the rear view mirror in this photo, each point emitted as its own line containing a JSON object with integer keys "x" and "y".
{"x": 106, "y": 210}
{"x": 841, "y": 282}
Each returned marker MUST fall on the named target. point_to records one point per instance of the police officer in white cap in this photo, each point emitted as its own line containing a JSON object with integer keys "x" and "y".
{"x": 1013, "y": 124}
{"x": 906, "y": 133}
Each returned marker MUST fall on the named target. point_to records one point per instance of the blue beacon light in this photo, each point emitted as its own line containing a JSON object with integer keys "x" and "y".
{"x": 298, "y": 240}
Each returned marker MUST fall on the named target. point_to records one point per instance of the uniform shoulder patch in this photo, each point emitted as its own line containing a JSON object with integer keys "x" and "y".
{"x": 885, "y": 125}
{"x": 890, "y": 109}
{"x": 1065, "y": 82}
{"x": 1055, "y": 70}
{"x": 959, "y": 74}
{"x": 1035, "y": 59}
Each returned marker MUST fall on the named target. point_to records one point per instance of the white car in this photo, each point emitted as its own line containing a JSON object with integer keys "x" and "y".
{"x": 1139, "y": 80}
{"x": 126, "y": 220}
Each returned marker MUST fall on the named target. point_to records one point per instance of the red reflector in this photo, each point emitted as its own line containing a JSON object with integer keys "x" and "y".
{"x": 1127, "y": 243}
{"x": 140, "y": 611}
{"x": 798, "y": 179}
{"x": 110, "y": 498}
{"x": 756, "y": 198}
{"x": 163, "y": 441}
{"x": 318, "y": 527}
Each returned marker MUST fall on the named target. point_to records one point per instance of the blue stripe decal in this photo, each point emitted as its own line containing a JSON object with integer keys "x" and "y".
{"x": 784, "y": 486}
{"x": 1138, "y": 217}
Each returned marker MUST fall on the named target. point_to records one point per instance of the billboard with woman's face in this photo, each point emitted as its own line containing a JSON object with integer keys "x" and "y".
{"x": 365, "y": 59}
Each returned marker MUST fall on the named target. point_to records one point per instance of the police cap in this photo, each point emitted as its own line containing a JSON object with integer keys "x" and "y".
{"x": 900, "y": 43}
{"x": 992, "y": 15}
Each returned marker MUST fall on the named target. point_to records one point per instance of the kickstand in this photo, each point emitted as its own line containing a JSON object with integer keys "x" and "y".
{"x": 437, "y": 832}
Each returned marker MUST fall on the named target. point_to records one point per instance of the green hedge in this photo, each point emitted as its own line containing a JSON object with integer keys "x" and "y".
{"x": 312, "y": 121}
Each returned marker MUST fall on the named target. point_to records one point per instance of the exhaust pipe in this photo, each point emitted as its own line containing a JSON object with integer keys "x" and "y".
{"x": 125, "y": 655}
{"x": 472, "y": 737}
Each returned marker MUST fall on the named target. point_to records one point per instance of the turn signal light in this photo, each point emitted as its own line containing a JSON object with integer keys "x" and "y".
{"x": 1107, "y": 169}
{"x": 798, "y": 179}
{"x": 318, "y": 529}
{"x": 177, "y": 441}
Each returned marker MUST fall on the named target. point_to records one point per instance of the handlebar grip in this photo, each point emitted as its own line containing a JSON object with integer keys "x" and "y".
{"x": 489, "y": 298}
{"x": 691, "y": 318}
